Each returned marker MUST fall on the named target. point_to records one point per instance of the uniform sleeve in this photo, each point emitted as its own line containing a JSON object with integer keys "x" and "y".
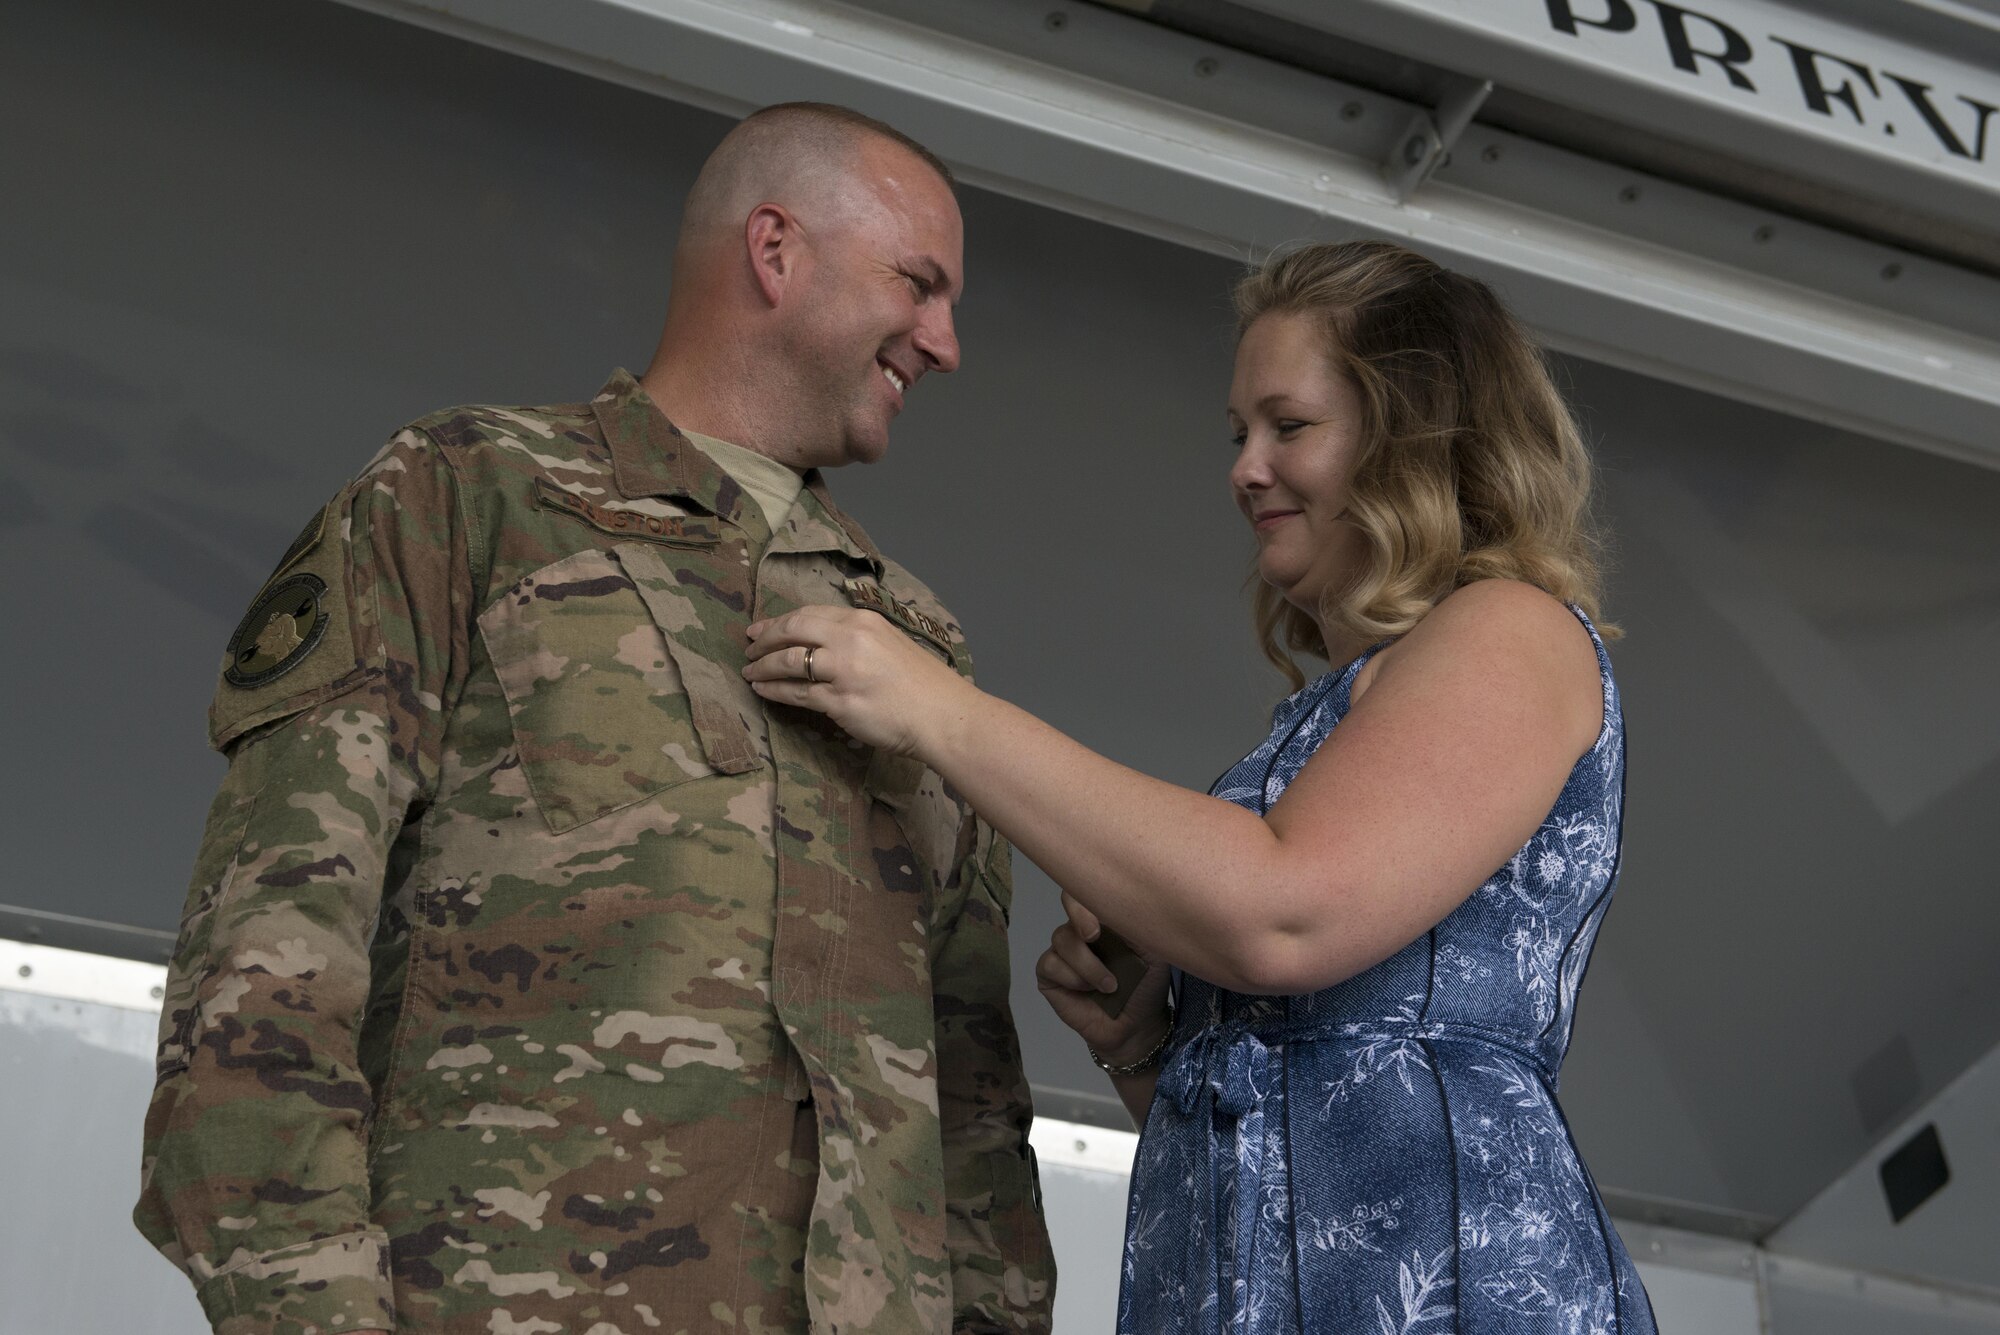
{"x": 1002, "y": 1272}
{"x": 254, "y": 1176}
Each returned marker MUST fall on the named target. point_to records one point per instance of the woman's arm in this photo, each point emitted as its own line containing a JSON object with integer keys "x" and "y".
{"x": 1444, "y": 767}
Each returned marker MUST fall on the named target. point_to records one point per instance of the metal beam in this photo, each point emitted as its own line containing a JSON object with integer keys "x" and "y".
{"x": 1109, "y": 117}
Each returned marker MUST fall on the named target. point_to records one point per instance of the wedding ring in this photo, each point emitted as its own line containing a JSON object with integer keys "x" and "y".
{"x": 809, "y": 668}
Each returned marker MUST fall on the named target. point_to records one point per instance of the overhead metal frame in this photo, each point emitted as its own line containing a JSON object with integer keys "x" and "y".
{"x": 1104, "y": 115}
{"x": 1616, "y": 62}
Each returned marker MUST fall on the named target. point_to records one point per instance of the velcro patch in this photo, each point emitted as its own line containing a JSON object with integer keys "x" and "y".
{"x": 284, "y": 625}
{"x": 674, "y": 530}
{"x": 307, "y": 540}
{"x": 869, "y": 594}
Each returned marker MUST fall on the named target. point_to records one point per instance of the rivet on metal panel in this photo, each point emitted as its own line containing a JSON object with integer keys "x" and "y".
{"x": 1892, "y": 272}
{"x": 1629, "y": 195}
{"x": 1056, "y": 21}
{"x": 1352, "y": 111}
{"x": 1764, "y": 233}
{"x": 1206, "y": 66}
{"x": 26, "y": 971}
{"x": 1491, "y": 153}
{"x": 158, "y": 993}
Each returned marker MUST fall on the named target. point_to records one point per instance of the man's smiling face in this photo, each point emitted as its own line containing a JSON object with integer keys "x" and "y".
{"x": 876, "y": 308}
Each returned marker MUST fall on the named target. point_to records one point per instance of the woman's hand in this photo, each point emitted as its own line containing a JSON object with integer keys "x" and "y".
{"x": 860, "y": 671}
{"x": 1074, "y": 980}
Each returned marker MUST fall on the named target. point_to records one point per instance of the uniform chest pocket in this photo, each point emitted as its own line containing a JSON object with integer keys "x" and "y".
{"x": 609, "y": 702}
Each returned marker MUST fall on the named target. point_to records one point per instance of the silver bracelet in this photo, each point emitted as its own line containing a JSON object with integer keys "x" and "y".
{"x": 1145, "y": 1063}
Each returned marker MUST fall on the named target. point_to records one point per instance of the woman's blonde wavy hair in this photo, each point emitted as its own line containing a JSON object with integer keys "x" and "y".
{"x": 1470, "y": 465}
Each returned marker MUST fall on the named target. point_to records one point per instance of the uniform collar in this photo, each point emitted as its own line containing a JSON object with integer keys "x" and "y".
{"x": 650, "y": 457}
{"x": 818, "y": 525}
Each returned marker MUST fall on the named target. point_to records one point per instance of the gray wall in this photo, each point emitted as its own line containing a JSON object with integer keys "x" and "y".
{"x": 248, "y": 241}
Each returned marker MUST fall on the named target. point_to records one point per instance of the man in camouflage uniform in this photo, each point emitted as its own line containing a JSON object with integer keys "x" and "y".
{"x": 536, "y": 977}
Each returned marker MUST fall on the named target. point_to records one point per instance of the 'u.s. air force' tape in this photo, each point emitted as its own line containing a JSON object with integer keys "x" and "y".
{"x": 868, "y": 594}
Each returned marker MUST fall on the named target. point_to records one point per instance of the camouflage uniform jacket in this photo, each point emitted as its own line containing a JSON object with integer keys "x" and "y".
{"x": 536, "y": 977}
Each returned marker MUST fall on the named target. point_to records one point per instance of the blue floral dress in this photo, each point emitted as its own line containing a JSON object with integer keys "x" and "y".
{"x": 1386, "y": 1156}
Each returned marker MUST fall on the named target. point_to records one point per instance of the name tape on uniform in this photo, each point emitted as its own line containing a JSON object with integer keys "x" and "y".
{"x": 674, "y": 530}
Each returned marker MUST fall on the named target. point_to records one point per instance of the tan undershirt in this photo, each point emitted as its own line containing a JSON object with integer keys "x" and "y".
{"x": 773, "y": 486}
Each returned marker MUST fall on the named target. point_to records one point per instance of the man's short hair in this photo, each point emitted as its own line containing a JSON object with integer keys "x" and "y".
{"x": 849, "y": 124}
{"x": 790, "y": 141}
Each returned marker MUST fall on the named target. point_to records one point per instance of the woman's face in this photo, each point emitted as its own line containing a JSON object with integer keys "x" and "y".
{"x": 1297, "y": 425}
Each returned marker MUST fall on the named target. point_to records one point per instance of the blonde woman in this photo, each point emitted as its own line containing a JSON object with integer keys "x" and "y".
{"x": 1376, "y": 923}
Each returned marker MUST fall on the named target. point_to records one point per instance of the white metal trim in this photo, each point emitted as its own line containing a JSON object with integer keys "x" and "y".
{"x": 1097, "y": 1149}
{"x": 75, "y": 975}
{"x": 1922, "y": 1299}
{"x": 1655, "y": 1244}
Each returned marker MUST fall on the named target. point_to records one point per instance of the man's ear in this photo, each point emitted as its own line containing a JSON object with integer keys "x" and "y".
{"x": 772, "y": 240}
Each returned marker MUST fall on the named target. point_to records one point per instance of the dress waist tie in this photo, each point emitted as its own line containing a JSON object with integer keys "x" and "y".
{"x": 1235, "y": 1068}
{"x": 1233, "y": 1065}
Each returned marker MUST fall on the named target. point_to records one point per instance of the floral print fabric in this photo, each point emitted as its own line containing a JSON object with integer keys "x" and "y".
{"x": 1386, "y": 1156}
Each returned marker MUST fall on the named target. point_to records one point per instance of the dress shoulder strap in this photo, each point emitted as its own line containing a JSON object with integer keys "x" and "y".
{"x": 1341, "y": 697}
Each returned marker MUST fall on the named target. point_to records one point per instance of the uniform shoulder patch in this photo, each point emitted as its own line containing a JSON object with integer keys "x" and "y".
{"x": 286, "y": 623}
{"x": 295, "y": 647}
